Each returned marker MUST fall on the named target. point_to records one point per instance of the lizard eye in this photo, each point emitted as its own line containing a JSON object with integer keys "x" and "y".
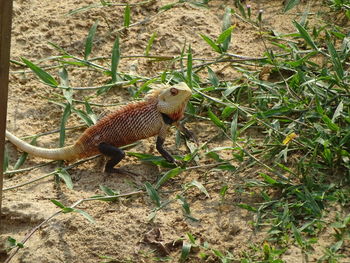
{"x": 174, "y": 91}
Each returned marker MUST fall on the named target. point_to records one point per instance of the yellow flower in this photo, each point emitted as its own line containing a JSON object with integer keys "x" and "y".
{"x": 289, "y": 137}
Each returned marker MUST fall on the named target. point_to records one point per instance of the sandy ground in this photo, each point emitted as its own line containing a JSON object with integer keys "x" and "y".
{"x": 123, "y": 231}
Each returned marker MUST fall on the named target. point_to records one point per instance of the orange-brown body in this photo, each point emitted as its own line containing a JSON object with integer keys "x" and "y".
{"x": 129, "y": 124}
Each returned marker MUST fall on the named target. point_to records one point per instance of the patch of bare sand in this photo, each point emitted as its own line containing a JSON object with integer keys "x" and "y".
{"x": 122, "y": 230}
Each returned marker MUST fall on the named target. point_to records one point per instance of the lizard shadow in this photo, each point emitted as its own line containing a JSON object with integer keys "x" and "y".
{"x": 132, "y": 177}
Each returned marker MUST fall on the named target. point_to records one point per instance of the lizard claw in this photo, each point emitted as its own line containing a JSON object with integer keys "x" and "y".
{"x": 178, "y": 163}
{"x": 189, "y": 135}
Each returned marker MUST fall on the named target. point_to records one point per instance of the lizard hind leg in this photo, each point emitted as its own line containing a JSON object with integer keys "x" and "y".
{"x": 115, "y": 154}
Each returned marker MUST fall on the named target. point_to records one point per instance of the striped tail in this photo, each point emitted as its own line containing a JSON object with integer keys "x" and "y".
{"x": 65, "y": 153}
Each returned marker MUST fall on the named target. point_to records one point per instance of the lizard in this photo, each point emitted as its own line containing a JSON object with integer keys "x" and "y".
{"x": 161, "y": 108}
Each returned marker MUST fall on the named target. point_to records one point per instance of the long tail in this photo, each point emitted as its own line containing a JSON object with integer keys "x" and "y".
{"x": 65, "y": 153}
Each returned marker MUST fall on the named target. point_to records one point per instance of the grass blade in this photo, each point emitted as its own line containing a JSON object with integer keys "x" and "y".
{"x": 338, "y": 67}
{"x": 225, "y": 25}
{"x": 168, "y": 175}
{"x": 64, "y": 81}
{"x": 212, "y": 77}
{"x": 211, "y": 43}
{"x": 215, "y": 120}
{"x": 290, "y": 4}
{"x": 234, "y": 125}
{"x": 89, "y": 40}
{"x": 269, "y": 179}
{"x": 200, "y": 187}
{"x": 345, "y": 139}
{"x": 90, "y": 112}
{"x": 305, "y": 35}
{"x": 189, "y": 67}
{"x": 248, "y": 207}
{"x": 167, "y": 6}
{"x": 20, "y": 161}
{"x": 65, "y": 176}
{"x": 84, "y": 116}
{"x": 153, "y": 194}
{"x": 312, "y": 202}
{"x": 225, "y": 36}
{"x": 115, "y": 59}
{"x": 185, "y": 207}
{"x": 42, "y": 74}
{"x": 150, "y": 43}
{"x": 223, "y": 191}
{"x": 127, "y": 16}
{"x": 65, "y": 116}
{"x": 23, "y": 156}
{"x": 157, "y": 160}
{"x": 338, "y": 111}
{"x": 144, "y": 87}
{"x": 241, "y": 8}
{"x": 185, "y": 251}
{"x": 191, "y": 238}
{"x": 297, "y": 235}
{"x": 85, "y": 214}
{"x": 83, "y": 9}
{"x": 280, "y": 111}
{"x": 57, "y": 203}
{"x": 108, "y": 191}
{"x": 330, "y": 124}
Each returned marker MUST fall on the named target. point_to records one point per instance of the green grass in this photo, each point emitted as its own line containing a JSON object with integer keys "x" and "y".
{"x": 301, "y": 110}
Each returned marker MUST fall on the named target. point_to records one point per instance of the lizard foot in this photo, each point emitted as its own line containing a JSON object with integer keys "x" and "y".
{"x": 179, "y": 163}
{"x": 189, "y": 135}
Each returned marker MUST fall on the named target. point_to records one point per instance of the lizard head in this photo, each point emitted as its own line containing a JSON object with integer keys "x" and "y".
{"x": 172, "y": 100}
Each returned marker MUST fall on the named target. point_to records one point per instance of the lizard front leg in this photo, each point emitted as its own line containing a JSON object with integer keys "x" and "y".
{"x": 186, "y": 132}
{"x": 160, "y": 141}
{"x": 166, "y": 155}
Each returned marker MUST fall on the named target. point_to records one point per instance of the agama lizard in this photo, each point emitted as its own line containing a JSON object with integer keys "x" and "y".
{"x": 162, "y": 107}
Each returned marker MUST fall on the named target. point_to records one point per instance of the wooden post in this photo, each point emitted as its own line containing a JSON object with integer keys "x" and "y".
{"x": 5, "y": 41}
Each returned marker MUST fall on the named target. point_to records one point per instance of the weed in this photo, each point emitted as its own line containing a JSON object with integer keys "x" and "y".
{"x": 296, "y": 95}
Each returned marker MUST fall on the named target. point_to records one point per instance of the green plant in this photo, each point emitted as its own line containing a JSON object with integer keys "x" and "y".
{"x": 285, "y": 115}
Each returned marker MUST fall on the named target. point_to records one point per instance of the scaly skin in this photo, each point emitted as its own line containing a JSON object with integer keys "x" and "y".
{"x": 160, "y": 109}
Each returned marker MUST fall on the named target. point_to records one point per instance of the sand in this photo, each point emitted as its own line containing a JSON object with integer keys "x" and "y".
{"x": 123, "y": 230}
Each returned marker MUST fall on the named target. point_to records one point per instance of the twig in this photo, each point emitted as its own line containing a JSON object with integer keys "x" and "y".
{"x": 30, "y": 234}
{"x": 50, "y": 174}
{"x": 27, "y": 169}
{"x": 246, "y": 21}
{"x": 54, "y": 131}
{"x": 144, "y": 21}
{"x": 66, "y": 168}
{"x": 242, "y": 58}
{"x": 97, "y": 104}
{"x": 207, "y": 165}
{"x": 118, "y": 83}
